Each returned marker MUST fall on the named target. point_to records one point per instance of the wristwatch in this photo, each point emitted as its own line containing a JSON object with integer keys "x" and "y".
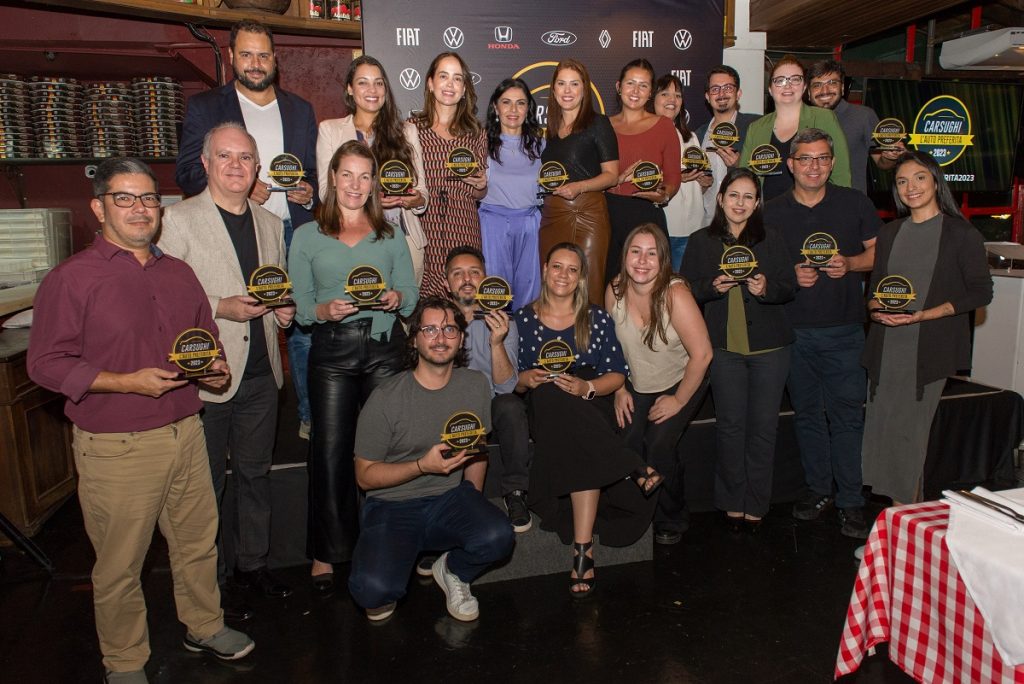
{"x": 591, "y": 392}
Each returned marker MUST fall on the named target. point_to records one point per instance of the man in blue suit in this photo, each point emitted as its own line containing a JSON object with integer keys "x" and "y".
{"x": 280, "y": 122}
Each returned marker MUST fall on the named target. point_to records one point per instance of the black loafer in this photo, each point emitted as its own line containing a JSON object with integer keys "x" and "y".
{"x": 261, "y": 579}
{"x": 323, "y": 585}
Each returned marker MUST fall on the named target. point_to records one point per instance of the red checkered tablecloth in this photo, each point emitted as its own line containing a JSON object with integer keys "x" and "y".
{"x": 908, "y": 593}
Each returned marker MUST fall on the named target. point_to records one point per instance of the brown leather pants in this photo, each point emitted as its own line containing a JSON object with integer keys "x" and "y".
{"x": 584, "y": 222}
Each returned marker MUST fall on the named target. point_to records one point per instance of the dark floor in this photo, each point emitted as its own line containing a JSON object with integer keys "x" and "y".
{"x": 715, "y": 608}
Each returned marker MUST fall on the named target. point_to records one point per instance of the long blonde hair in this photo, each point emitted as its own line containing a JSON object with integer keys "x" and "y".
{"x": 580, "y": 299}
{"x": 660, "y": 299}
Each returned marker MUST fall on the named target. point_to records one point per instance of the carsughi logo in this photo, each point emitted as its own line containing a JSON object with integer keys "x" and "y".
{"x": 454, "y": 38}
{"x": 503, "y": 39}
{"x": 605, "y": 39}
{"x": 682, "y": 39}
{"x": 409, "y": 78}
{"x": 942, "y": 129}
{"x": 558, "y": 38}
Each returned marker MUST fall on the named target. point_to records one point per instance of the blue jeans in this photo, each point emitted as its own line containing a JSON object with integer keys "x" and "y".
{"x": 678, "y": 245}
{"x": 827, "y": 387}
{"x": 299, "y": 339}
{"x": 393, "y": 533}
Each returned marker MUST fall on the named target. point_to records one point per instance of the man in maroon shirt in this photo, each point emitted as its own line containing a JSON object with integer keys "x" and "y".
{"x": 104, "y": 323}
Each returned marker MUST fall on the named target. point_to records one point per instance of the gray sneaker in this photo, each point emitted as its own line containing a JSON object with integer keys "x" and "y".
{"x": 425, "y": 565}
{"x": 854, "y": 525}
{"x": 812, "y": 506}
{"x": 227, "y": 644}
{"x": 461, "y": 603}
{"x": 133, "y": 677}
{"x": 382, "y": 613}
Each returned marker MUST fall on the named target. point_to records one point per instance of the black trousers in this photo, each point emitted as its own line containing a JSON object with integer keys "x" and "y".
{"x": 345, "y": 365}
{"x": 625, "y": 214}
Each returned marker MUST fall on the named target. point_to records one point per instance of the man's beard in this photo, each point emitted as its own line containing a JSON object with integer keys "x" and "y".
{"x": 257, "y": 86}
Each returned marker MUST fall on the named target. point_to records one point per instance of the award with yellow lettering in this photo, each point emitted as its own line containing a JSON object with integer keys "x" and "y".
{"x": 888, "y": 133}
{"x": 895, "y": 293}
{"x": 365, "y": 285}
{"x": 461, "y": 162}
{"x": 286, "y": 172}
{"x": 556, "y": 357}
{"x": 463, "y": 430}
{"x": 738, "y": 262}
{"x": 494, "y": 293}
{"x": 695, "y": 159}
{"x": 270, "y": 285}
{"x": 645, "y": 176}
{"x": 724, "y": 134}
{"x": 194, "y": 352}
{"x": 765, "y": 160}
{"x": 551, "y": 177}
{"x": 395, "y": 177}
{"x": 818, "y": 249}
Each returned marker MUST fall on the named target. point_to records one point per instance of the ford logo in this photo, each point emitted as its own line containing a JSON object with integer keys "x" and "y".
{"x": 558, "y": 38}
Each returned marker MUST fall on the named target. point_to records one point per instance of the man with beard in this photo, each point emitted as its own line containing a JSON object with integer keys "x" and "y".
{"x": 281, "y": 122}
{"x": 416, "y": 497}
{"x": 826, "y": 85}
{"x": 105, "y": 321}
{"x": 722, "y": 92}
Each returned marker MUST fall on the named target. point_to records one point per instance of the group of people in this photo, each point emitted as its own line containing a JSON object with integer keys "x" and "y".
{"x": 623, "y": 288}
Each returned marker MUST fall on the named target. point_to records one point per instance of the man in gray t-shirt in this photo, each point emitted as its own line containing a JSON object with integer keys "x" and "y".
{"x": 415, "y": 496}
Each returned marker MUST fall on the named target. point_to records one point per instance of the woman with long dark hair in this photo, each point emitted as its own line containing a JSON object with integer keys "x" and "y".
{"x": 354, "y": 349}
{"x": 751, "y": 338}
{"x": 578, "y": 477}
{"x": 375, "y": 121}
{"x": 583, "y": 141}
{"x": 666, "y": 345}
{"x": 510, "y": 212}
{"x": 642, "y": 137}
{"x": 447, "y": 122}
{"x": 910, "y": 355}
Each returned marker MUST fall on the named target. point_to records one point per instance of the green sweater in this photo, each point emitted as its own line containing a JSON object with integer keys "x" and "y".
{"x": 760, "y": 133}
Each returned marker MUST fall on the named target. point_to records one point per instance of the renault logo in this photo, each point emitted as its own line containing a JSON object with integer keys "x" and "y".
{"x": 503, "y": 34}
{"x": 682, "y": 39}
{"x": 453, "y": 37}
{"x": 605, "y": 39}
{"x": 410, "y": 79}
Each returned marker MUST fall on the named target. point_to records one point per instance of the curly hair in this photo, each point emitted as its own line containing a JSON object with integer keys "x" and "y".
{"x": 415, "y": 321}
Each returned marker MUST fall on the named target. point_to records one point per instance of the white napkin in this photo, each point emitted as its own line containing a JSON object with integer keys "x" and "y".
{"x": 988, "y": 551}
{"x": 19, "y": 320}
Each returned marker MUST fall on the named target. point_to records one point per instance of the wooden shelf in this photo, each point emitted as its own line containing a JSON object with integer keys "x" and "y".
{"x": 296, "y": 22}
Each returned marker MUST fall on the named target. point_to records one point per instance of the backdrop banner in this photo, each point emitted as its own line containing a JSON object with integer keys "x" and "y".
{"x": 526, "y": 38}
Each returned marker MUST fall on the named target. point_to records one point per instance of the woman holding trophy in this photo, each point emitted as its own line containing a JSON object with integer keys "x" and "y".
{"x": 352, "y": 278}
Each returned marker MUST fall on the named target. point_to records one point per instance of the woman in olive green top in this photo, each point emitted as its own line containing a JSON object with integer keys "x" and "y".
{"x": 354, "y": 349}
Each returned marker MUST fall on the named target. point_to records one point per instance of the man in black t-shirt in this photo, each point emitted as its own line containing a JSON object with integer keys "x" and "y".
{"x": 826, "y": 382}
{"x": 224, "y": 236}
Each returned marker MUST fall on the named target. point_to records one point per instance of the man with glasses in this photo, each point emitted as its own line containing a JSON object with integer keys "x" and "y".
{"x": 827, "y": 85}
{"x": 225, "y": 236}
{"x": 826, "y": 382}
{"x": 416, "y": 497}
{"x": 105, "y": 321}
{"x": 722, "y": 93}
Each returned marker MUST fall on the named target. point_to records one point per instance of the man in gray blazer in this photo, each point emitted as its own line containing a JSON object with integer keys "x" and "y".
{"x": 224, "y": 236}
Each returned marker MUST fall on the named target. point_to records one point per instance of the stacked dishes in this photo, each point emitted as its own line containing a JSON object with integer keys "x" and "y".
{"x": 109, "y": 120}
{"x": 16, "y": 138}
{"x": 57, "y": 117}
{"x": 159, "y": 109}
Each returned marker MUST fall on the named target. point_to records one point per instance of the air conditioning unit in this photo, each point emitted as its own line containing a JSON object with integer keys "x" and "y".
{"x": 1001, "y": 50}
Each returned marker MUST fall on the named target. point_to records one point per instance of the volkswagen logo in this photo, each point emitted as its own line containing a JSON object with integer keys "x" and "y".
{"x": 558, "y": 38}
{"x": 453, "y": 37}
{"x": 475, "y": 78}
{"x": 410, "y": 79}
{"x": 682, "y": 39}
{"x": 502, "y": 34}
{"x": 605, "y": 39}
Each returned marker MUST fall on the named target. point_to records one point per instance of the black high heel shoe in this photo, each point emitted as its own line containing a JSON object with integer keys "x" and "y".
{"x": 647, "y": 479}
{"x": 581, "y": 565}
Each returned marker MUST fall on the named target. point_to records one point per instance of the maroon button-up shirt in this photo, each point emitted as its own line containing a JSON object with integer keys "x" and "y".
{"x": 101, "y": 310}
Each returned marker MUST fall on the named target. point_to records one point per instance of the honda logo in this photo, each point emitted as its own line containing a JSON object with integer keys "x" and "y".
{"x": 410, "y": 79}
{"x": 682, "y": 39}
{"x": 503, "y": 34}
{"x": 605, "y": 39}
{"x": 453, "y": 37}
{"x": 558, "y": 38}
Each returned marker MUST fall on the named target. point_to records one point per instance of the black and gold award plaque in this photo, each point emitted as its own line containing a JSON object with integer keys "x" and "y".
{"x": 695, "y": 159}
{"x": 818, "y": 250}
{"x": 494, "y": 293}
{"x": 365, "y": 285}
{"x": 765, "y": 160}
{"x": 888, "y": 133}
{"x": 286, "y": 172}
{"x": 270, "y": 285}
{"x": 395, "y": 177}
{"x": 895, "y": 293}
{"x": 738, "y": 262}
{"x": 194, "y": 352}
{"x": 551, "y": 177}
{"x": 556, "y": 357}
{"x": 646, "y": 176}
{"x": 463, "y": 430}
{"x": 724, "y": 134}
{"x": 462, "y": 162}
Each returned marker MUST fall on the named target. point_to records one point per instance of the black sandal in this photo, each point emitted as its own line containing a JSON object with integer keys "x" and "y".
{"x": 647, "y": 479}
{"x": 581, "y": 565}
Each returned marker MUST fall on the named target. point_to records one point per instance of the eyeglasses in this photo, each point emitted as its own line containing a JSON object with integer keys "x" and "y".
{"x": 780, "y": 81}
{"x": 807, "y": 160}
{"x": 818, "y": 85}
{"x": 432, "y": 331}
{"x": 126, "y": 200}
{"x": 727, "y": 89}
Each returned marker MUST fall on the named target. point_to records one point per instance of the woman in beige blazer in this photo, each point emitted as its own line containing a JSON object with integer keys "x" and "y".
{"x": 375, "y": 120}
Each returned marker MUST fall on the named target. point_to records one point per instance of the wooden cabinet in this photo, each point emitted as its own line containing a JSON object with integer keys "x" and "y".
{"x": 37, "y": 471}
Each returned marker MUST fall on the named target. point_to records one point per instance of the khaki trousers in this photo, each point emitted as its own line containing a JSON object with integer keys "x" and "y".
{"x": 127, "y": 483}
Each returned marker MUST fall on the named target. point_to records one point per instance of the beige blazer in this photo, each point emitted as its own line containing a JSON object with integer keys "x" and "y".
{"x": 334, "y": 132}
{"x": 194, "y": 231}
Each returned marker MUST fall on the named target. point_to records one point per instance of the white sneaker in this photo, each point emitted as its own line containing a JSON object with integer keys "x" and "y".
{"x": 858, "y": 553}
{"x": 304, "y": 428}
{"x": 461, "y": 603}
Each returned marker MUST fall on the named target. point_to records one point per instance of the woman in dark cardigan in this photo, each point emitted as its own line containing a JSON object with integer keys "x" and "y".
{"x": 910, "y": 355}
{"x": 751, "y": 337}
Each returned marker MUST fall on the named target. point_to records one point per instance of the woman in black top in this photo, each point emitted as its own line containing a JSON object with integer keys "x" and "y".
{"x": 584, "y": 142}
{"x": 751, "y": 337}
